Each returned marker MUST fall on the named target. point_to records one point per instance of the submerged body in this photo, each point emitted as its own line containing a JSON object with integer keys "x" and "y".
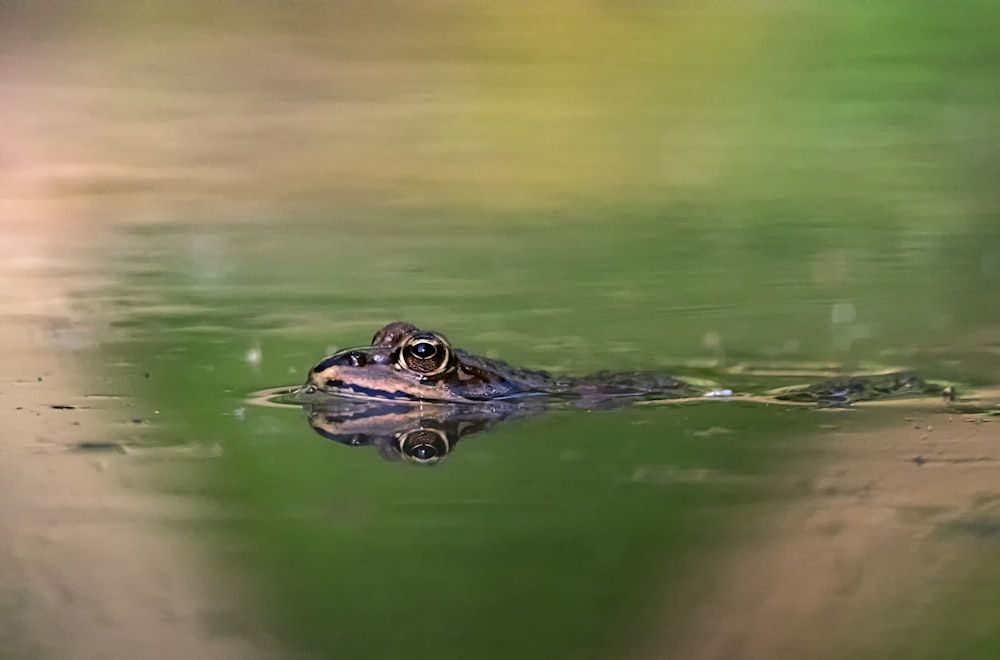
{"x": 406, "y": 363}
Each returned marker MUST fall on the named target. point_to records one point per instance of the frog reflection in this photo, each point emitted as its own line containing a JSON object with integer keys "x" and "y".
{"x": 420, "y": 435}
{"x": 413, "y": 396}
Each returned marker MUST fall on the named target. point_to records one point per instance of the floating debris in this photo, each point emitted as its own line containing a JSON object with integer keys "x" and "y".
{"x": 719, "y": 393}
{"x": 715, "y": 430}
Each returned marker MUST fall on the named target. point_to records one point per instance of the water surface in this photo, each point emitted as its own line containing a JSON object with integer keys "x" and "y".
{"x": 199, "y": 205}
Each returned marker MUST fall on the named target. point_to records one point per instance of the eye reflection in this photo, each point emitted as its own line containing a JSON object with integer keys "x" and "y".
{"x": 423, "y": 452}
{"x": 423, "y": 445}
{"x": 400, "y": 431}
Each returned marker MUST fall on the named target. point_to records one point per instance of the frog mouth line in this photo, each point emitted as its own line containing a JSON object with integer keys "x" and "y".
{"x": 342, "y": 388}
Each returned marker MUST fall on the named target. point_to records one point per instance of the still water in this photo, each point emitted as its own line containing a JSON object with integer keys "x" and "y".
{"x": 744, "y": 198}
{"x": 688, "y": 527}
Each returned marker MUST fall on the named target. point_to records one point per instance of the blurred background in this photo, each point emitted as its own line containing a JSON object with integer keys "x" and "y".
{"x": 198, "y": 200}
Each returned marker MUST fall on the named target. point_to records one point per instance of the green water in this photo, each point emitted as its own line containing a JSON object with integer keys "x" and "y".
{"x": 706, "y": 191}
{"x": 556, "y": 536}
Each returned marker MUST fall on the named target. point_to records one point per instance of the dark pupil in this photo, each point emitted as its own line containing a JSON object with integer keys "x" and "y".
{"x": 424, "y": 452}
{"x": 424, "y": 350}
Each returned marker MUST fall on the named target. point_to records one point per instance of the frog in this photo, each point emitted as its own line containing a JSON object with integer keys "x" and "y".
{"x": 404, "y": 363}
{"x": 412, "y": 396}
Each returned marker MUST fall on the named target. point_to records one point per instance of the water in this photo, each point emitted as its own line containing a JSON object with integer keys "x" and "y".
{"x": 759, "y": 200}
{"x": 570, "y": 534}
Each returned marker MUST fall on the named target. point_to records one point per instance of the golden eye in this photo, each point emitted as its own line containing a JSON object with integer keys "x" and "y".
{"x": 426, "y": 354}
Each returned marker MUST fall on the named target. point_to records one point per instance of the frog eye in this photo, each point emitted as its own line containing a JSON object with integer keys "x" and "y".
{"x": 427, "y": 354}
{"x": 423, "y": 446}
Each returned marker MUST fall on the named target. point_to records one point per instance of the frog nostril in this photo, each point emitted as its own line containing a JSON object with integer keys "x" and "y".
{"x": 357, "y": 359}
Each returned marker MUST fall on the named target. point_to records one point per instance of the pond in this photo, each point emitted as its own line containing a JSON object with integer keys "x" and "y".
{"x": 755, "y": 217}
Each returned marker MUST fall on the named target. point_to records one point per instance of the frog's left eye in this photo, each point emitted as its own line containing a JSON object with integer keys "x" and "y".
{"x": 426, "y": 353}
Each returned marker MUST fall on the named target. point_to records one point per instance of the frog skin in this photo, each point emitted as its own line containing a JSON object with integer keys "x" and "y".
{"x": 404, "y": 363}
{"x": 841, "y": 391}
